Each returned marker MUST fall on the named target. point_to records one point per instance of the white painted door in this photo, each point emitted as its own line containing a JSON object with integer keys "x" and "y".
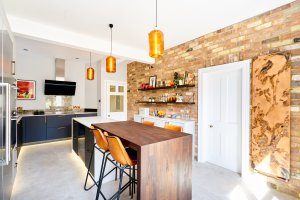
{"x": 116, "y": 100}
{"x": 222, "y": 98}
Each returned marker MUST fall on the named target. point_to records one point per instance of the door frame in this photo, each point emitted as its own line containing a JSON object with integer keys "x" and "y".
{"x": 107, "y": 82}
{"x": 245, "y": 147}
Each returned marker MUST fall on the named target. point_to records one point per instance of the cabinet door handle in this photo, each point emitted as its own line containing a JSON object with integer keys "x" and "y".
{"x": 61, "y": 128}
{"x": 61, "y": 116}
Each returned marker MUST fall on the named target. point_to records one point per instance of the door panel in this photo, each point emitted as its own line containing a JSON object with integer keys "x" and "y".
{"x": 222, "y": 100}
{"x": 116, "y": 100}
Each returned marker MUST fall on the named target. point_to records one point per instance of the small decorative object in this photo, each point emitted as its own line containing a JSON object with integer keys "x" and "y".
{"x": 172, "y": 99}
{"x": 26, "y": 90}
{"x": 189, "y": 78}
{"x": 161, "y": 113}
{"x": 181, "y": 81}
{"x": 168, "y": 83}
{"x": 152, "y": 81}
{"x": 179, "y": 98}
{"x": 176, "y": 79}
{"x": 145, "y": 86}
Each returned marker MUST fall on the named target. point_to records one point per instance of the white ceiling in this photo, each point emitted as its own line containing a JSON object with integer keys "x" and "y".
{"x": 54, "y": 51}
{"x": 84, "y": 24}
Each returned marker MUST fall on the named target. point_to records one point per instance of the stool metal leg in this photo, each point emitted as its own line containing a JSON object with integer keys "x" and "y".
{"x": 120, "y": 183}
{"x": 88, "y": 172}
{"x": 102, "y": 171}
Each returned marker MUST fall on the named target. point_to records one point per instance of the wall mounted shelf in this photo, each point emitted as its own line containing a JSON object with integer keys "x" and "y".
{"x": 159, "y": 102}
{"x": 167, "y": 87}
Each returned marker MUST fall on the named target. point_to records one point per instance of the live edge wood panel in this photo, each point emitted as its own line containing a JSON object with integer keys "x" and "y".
{"x": 271, "y": 78}
{"x": 164, "y": 159}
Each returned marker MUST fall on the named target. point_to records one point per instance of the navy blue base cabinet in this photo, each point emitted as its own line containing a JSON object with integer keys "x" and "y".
{"x": 35, "y": 128}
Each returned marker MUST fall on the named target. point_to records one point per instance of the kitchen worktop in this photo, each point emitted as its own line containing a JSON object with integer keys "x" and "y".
{"x": 55, "y": 113}
{"x": 88, "y": 121}
{"x": 166, "y": 118}
{"x": 19, "y": 116}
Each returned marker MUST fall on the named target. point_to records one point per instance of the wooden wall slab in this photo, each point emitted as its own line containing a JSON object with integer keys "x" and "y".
{"x": 270, "y": 138}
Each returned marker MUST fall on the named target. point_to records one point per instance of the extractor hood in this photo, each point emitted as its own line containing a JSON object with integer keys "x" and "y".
{"x": 60, "y": 87}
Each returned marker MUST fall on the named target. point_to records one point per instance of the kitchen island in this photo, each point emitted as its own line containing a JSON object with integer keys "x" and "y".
{"x": 83, "y": 142}
{"x": 164, "y": 159}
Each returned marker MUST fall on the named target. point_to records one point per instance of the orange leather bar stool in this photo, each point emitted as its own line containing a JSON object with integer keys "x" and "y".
{"x": 148, "y": 123}
{"x": 173, "y": 127}
{"x": 127, "y": 159}
{"x": 101, "y": 145}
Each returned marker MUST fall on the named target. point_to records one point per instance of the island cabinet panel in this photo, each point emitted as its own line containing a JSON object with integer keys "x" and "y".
{"x": 75, "y": 136}
{"x": 89, "y": 145}
{"x": 35, "y": 129}
{"x": 86, "y": 115}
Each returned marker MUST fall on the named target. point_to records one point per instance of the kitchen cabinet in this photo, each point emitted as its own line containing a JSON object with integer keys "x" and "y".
{"x": 59, "y": 126}
{"x": 35, "y": 129}
{"x": 20, "y": 137}
{"x": 188, "y": 126}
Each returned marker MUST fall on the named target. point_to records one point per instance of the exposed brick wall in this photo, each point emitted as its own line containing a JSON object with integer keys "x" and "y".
{"x": 273, "y": 31}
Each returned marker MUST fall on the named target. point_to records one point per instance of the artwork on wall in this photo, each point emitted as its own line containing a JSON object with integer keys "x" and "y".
{"x": 26, "y": 90}
{"x": 270, "y": 137}
{"x": 152, "y": 81}
{"x": 189, "y": 78}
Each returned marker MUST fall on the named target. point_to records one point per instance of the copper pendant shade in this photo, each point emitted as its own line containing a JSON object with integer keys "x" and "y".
{"x": 90, "y": 72}
{"x": 156, "y": 44}
{"x": 111, "y": 66}
{"x": 156, "y": 41}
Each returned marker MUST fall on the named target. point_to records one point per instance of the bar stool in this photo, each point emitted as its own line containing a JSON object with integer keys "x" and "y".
{"x": 148, "y": 123}
{"x": 102, "y": 146}
{"x": 127, "y": 158}
{"x": 173, "y": 127}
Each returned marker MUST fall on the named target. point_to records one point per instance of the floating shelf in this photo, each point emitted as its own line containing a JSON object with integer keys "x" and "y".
{"x": 167, "y": 87}
{"x": 159, "y": 102}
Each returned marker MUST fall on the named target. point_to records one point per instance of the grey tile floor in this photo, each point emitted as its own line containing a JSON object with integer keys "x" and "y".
{"x": 52, "y": 172}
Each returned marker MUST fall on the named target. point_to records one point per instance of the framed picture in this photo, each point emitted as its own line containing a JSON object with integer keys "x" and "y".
{"x": 152, "y": 81}
{"x": 189, "y": 78}
{"x": 26, "y": 90}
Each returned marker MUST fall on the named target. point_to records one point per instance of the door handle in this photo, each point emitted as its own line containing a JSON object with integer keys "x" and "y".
{"x": 211, "y": 126}
{"x": 7, "y": 124}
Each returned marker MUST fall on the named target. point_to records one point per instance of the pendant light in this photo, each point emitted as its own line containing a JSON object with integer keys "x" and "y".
{"x": 110, "y": 60}
{"x": 90, "y": 71}
{"x": 156, "y": 41}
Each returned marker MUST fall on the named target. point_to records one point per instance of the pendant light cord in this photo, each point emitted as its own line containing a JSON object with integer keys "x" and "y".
{"x": 110, "y": 40}
{"x": 90, "y": 59}
{"x": 156, "y": 16}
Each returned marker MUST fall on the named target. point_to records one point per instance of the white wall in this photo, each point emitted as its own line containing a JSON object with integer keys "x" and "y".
{"x": 120, "y": 75}
{"x": 34, "y": 67}
{"x": 75, "y": 71}
{"x": 91, "y": 88}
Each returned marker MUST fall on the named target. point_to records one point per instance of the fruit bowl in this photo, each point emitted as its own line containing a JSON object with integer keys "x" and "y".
{"x": 161, "y": 114}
